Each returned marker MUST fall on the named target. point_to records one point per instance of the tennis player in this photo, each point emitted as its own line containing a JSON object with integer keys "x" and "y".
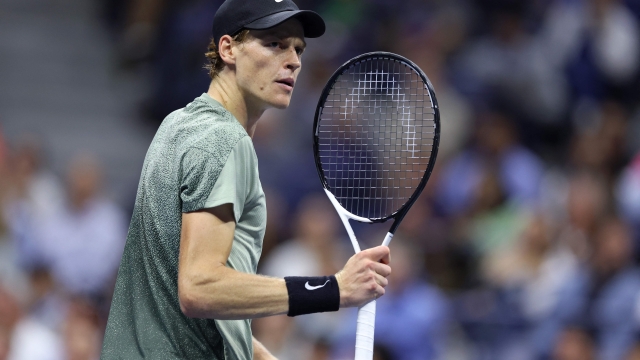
{"x": 187, "y": 284}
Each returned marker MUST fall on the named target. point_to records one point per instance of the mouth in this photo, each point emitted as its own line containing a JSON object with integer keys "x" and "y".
{"x": 287, "y": 82}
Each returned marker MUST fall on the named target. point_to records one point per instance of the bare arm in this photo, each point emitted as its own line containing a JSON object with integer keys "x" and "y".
{"x": 209, "y": 289}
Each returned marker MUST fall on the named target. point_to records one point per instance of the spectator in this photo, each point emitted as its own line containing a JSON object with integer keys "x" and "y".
{"x": 537, "y": 268}
{"x": 82, "y": 336}
{"x": 601, "y": 295}
{"x": 27, "y": 334}
{"x": 574, "y": 343}
{"x": 35, "y": 196}
{"x": 47, "y": 304}
{"x": 83, "y": 243}
{"x": 519, "y": 171}
{"x": 29, "y": 339}
{"x": 598, "y": 144}
{"x": 586, "y": 204}
{"x": 598, "y": 41}
{"x": 509, "y": 62}
{"x": 494, "y": 222}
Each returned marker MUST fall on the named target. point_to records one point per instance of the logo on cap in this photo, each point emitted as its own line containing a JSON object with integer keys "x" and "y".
{"x": 278, "y": 0}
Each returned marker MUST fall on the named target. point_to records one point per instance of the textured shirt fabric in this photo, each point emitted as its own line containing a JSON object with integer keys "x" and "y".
{"x": 201, "y": 157}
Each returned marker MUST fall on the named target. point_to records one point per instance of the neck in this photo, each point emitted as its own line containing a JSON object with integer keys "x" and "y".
{"x": 225, "y": 90}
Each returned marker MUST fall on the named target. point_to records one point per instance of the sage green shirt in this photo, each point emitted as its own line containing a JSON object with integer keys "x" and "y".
{"x": 201, "y": 157}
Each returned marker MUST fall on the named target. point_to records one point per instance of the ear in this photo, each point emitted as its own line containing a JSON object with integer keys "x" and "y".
{"x": 226, "y": 50}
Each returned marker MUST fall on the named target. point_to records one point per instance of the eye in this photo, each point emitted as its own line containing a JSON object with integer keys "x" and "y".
{"x": 274, "y": 44}
{"x": 299, "y": 51}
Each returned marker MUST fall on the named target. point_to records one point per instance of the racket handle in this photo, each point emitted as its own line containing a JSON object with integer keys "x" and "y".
{"x": 365, "y": 330}
{"x": 387, "y": 239}
{"x": 367, "y": 323}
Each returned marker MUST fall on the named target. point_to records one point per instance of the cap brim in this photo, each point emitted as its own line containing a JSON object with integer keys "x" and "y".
{"x": 312, "y": 23}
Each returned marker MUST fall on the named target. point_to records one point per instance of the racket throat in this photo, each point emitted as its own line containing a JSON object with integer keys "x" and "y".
{"x": 345, "y": 216}
{"x": 352, "y": 236}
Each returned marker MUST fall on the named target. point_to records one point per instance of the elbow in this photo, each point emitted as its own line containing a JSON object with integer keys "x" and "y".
{"x": 199, "y": 294}
{"x": 198, "y": 298}
{"x": 193, "y": 302}
{"x": 189, "y": 304}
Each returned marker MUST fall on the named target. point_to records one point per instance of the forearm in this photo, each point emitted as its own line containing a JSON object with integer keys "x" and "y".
{"x": 209, "y": 289}
{"x": 260, "y": 352}
{"x": 227, "y": 294}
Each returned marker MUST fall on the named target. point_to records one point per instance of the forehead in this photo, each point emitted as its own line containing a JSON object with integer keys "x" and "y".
{"x": 290, "y": 29}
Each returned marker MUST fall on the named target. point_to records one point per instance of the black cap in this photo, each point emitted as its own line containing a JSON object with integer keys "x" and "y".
{"x": 235, "y": 15}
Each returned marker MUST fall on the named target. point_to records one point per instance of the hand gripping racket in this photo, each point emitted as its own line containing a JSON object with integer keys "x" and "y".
{"x": 376, "y": 134}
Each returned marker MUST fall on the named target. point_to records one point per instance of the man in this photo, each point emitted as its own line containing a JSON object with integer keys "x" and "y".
{"x": 187, "y": 286}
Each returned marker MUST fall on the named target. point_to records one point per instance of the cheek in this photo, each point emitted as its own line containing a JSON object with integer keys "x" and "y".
{"x": 254, "y": 73}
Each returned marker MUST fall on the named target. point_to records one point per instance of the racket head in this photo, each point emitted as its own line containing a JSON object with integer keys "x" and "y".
{"x": 376, "y": 111}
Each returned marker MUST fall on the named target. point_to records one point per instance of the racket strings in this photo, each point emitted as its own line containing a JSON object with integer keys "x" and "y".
{"x": 376, "y": 136}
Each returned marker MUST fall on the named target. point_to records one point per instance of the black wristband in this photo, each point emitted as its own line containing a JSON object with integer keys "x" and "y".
{"x": 314, "y": 294}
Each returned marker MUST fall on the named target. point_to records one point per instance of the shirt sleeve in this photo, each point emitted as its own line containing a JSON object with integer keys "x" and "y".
{"x": 204, "y": 174}
{"x": 207, "y": 188}
{"x": 231, "y": 186}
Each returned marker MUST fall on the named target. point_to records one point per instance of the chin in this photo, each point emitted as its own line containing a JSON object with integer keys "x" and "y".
{"x": 281, "y": 104}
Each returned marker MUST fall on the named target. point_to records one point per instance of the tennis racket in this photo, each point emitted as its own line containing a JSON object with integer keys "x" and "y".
{"x": 376, "y": 134}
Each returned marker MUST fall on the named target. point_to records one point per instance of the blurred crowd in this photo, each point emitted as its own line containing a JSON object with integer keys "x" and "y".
{"x": 524, "y": 245}
{"x": 61, "y": 243}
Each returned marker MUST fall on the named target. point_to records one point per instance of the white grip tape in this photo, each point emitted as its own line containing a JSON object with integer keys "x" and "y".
{"x": 365, "y": 330}
{"x": 387, "y": 239}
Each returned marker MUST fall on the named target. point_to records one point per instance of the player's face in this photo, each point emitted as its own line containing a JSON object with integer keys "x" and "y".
{"x": 269, "y": 63}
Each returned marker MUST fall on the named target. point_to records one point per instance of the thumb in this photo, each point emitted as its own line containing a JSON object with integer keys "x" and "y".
{"x": 378, "y": 254}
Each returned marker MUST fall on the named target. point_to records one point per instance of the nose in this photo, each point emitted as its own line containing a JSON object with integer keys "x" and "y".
{"x": 293, "y": 59}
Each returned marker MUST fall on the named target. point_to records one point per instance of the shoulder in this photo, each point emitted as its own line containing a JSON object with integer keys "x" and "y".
{"x": 244, "y": 147}
{"x": 207, "y": 126}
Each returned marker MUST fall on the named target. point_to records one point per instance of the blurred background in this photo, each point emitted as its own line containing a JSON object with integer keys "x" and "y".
{"x": 525, "y": 244}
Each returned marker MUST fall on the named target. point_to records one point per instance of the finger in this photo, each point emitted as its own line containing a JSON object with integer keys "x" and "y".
{"x": 386, "y": 259}
{"x": 377, "y": 253}
{"x": 381, "y": 280}
{"x": 382, "y": 269}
